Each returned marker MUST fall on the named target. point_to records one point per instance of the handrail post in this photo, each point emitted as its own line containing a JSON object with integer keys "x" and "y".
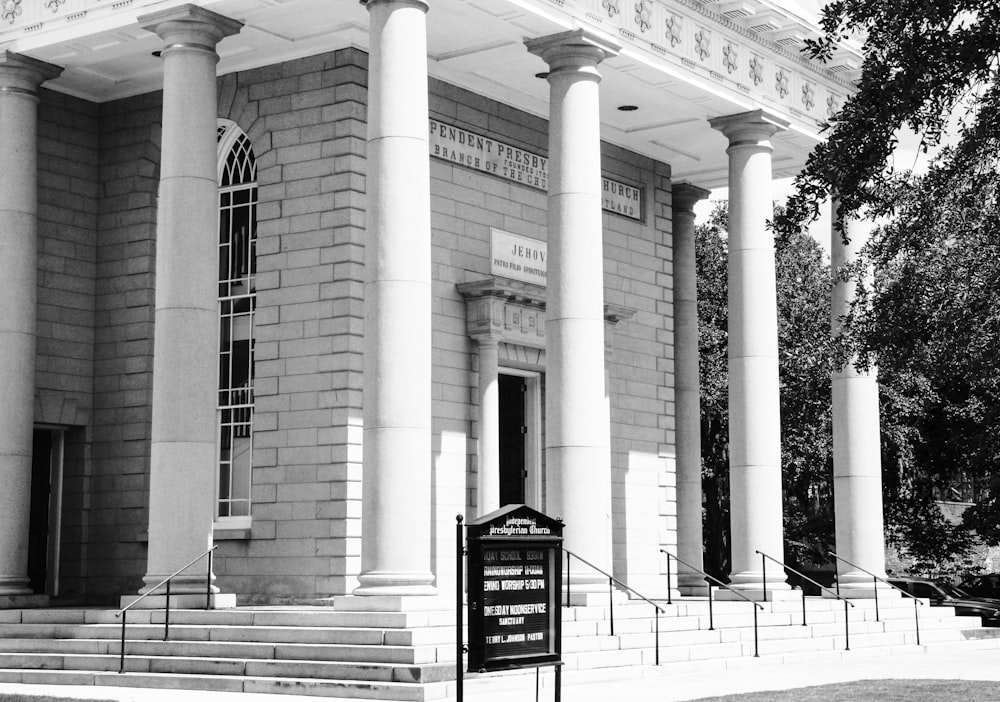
{"x": 875, "y": 581}
{"x": 611, "y": 606}
{"x": 208, "y": 583}
{"x": 669, "y": 587}
{"x": 121, "y": 652}
{"x": 711, "y": 623}
{"x": 756, "y": 647}
{"x": 166, "y": 615}
{"x": 803, "y": 590}
{"x": 763, "y": 573}
{"x": 569, "y": 558}
{"x": 459, "y": 636}
{"x": 875, "y": 588}
{"x": 847, "y": 631}
{"x": 657, "y": 640}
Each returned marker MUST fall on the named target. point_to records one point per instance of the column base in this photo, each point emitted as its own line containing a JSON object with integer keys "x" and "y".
{"x": 593, "y": 599}
{"x": 391, "y": 603}
{"x": 398, "y": 584}
{"x": 186, "y": 600}
{"x": 691, "y": 590}
{"x": 756, "y": 594}
{"x": 866, "y": 591}
{"x": 15, "y": 586}
{"x": 691, "y": 584}
{"x": 23, "y": 601}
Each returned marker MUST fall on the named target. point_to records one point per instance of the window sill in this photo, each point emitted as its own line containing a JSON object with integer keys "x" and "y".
{"x": 231, "y": 529}
{"x": 227, "y": 534}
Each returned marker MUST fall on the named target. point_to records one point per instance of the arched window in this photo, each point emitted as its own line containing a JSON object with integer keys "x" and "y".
{"x": 237, "y": 303}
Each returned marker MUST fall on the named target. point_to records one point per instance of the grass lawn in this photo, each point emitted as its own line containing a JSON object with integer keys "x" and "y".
{"x": 880, "y": 690}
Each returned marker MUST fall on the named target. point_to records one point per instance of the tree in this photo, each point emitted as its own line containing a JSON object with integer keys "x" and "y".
{"x": 928, "y": 65}
{"x": 929, "y": 321}
{"x": 803, "y": 291}
{"x": 710, "y": 252}
{"x": 932, "y": 322}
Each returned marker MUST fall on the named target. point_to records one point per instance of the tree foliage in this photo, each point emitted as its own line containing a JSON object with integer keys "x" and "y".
{"x": 803, "y": 299}
{"x": 928, "y": 65}
{"x": 929, "y": 322}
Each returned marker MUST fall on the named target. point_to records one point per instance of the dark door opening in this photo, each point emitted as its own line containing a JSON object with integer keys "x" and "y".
{"x": 38, "y": 524}
{"x": 513, "y": 432}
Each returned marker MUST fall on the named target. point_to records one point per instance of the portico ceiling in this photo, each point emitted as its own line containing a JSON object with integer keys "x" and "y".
{"x": 695, "y": 63}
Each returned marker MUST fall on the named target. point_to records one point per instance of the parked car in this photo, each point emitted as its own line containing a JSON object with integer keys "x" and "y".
{"x": 945, "y": 595}
{"x": 982, "y": 585}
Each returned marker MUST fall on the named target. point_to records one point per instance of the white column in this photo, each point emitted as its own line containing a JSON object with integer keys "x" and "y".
{"x": 183, "y": 460}
{"x": 20, "y": 78}
{"x": 396, "y": 490}
{"x": 754, "y": 416}
{"x": 687, "y": 389}
{"x": 488, "y": 482}
{"x": 576, "y": 426}
{"x": 857, "y": 457}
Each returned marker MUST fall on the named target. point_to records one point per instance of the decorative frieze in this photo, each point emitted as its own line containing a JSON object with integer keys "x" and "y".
{"x": 781, "y": 83}
{"x": 643, "y": 15}
{"x": 673, "y": 30}
{"x": 730, "y": 57}
{"x": 10, "y": 10}
{"x": 755, "y": 50}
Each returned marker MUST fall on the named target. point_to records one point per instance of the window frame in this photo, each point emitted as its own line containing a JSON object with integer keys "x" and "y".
{"x": 236, "y": 175}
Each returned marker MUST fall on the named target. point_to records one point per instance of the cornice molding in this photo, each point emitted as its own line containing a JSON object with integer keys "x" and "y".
{"x": 706, "y": 46}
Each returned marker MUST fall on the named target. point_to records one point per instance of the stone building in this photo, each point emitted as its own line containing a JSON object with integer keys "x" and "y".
{"x": 305, "y": 280}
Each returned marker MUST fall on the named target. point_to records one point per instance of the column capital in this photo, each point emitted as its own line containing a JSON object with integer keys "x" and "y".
{"x": 749, "y": 128}
{"x": 190, "y": 26}
{"x": 685, "y": 196}
{"x": 22, "y": 74}
{"x": 419, "y": 4}
{"x": 487, "y": 340}
{"x": 576, "y": 48}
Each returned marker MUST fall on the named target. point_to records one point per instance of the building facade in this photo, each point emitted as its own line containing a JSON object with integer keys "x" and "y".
{"x": 304, "y": 281}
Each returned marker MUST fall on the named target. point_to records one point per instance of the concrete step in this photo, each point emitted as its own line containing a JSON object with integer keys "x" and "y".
{"x": 188, "y": 665}
{"x": 223, "y": 649}
{"x": 382, "y": 655}
{"x": 346, "y": 689}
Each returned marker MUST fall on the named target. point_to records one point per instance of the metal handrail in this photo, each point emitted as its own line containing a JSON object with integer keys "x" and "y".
{"x": 612, "y": 580}
{"x": 123, "y": 612}
{"x": 877, "y": 579}
{"x": 847, "y": 636}
{"x": 711, "y": 622}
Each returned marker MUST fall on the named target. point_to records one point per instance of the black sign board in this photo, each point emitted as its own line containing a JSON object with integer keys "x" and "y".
{"x": 515, "y": 580}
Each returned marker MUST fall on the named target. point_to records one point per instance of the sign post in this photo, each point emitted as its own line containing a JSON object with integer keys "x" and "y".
{"x": 514, "y": 586}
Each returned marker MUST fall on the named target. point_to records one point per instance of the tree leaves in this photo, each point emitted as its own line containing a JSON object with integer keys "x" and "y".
{"x": 803, "y": 300}
{"x": 925, "y": 63}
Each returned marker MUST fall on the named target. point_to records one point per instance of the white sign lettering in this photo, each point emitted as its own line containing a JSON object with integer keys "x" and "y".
{"x": 518, "y": 257}
{"x": 511, "y": 163}
{"x": 621, "y": 198}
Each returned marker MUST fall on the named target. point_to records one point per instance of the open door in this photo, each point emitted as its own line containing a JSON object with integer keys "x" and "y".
{"x": 43, "y": 525}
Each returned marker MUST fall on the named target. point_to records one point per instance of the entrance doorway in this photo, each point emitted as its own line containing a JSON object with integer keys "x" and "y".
{"x": 44, "y": 522}
{"x": 520, "y": 425}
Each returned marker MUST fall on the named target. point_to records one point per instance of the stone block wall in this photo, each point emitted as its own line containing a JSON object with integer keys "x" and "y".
{"x": 638, "y": 276}
{"x": 306, "y": 120}
{"x": 116, "y": 503}
{"x": 68, "y": 189}
{"x": 465, "y": 204}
